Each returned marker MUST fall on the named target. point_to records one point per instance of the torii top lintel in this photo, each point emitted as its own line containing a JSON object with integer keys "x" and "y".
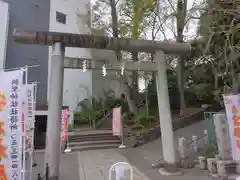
{"x": 98, "y": 42}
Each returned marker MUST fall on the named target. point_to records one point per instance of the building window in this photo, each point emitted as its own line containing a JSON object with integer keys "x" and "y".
{"x": 61, "y": 18}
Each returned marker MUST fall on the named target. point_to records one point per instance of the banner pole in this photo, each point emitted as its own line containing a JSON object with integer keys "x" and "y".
{"x": 24, "y": 116}
{"x": 35, "y": 102}
{"x": 33, "y": 128}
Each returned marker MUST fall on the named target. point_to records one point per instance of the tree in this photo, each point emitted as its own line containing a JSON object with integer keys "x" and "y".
{"x": 219, "y": 29}
{"x": 175, "y": 19}
{"x": 127, "y": 20}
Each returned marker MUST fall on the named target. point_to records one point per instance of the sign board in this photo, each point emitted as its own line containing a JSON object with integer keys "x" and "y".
{"x": 116, "y": 122}
{"x": 64, "y": 124}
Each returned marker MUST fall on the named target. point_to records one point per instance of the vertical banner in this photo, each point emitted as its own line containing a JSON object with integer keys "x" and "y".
{"x": 64, "y": 124}
{"x": 10, "y": 125}
{"x": 116, "y": 122}
{"x": 30, "y": 118}
{"x": 28, "y": 129}
{"x": 232, "y": 106}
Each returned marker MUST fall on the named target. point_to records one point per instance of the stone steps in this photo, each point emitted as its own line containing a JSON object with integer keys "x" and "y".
{"x": 94, "y": 139}
{"x": 94, "y": 147}
{"x": 85, "y": 138}
{"x": 100, "y": 142}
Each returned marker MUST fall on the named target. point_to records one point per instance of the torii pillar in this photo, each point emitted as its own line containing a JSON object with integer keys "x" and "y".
{"x": 61, "y": 40}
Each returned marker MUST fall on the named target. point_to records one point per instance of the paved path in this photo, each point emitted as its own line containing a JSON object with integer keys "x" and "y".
{"x": 92, "y": 165}
{"x": 143, "y": 156}
{"x": 68, "y": 166}
{"x": 96, "y": 164}
{"x": 87, "y": 165}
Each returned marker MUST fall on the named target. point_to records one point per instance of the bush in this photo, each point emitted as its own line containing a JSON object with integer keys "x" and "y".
{"x": 128, "y": 118}
{"x": 70, "y": 128}
{"x": 147, "y": 120}
{"x": 81, "y": 118}
{"x": 137, "y": 126}
{"x": 211, "y": 151}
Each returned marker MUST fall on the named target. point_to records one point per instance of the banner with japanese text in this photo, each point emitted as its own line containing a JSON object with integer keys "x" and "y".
{"x": 64, "y": 124}
{"x": 10, "y": 125}
{"x": 28, "y": 125}
{"x": 232, "y": 106}
{"x": 116, "y": 122}
{"x": 29, "y": 120}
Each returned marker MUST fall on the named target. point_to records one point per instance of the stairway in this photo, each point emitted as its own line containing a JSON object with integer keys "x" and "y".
{"x": 93, "y": 139}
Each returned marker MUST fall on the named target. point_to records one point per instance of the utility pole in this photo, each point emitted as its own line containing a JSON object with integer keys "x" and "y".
{"x": 52, "y": 156}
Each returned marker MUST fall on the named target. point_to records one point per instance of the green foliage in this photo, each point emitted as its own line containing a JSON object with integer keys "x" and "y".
{"x": 146, "y": 120}
{"x": 93, "y": 110}
{"x": 211, "y": 150}
{"x": 137, "y": 126}
{"x": 81, "y": 118}
{"x": 219, "y": 30}
{"x": 128, "y": 118}
{"x": 172, "y": 88}
{"x": 70, "y": 128}
{"x": 201, "y": 93}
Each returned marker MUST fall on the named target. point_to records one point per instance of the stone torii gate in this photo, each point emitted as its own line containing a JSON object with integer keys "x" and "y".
{"x": 59, "y": 41}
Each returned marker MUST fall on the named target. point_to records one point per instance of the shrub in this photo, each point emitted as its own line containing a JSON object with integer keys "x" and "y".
{"x": 70, "y": 128}
{"x": 211, "y": 150}
{"x": 147, "y": 120}
{"x": 81, "y": 118}
{"x": 128, "y": 118}
{"x": 137, "y": 126}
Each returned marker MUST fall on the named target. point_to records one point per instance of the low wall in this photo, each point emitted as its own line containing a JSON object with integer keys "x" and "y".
{"x": 137, "y": 139}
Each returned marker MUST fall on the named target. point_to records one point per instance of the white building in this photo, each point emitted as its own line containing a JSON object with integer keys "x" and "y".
{"x": 68, "y": 16}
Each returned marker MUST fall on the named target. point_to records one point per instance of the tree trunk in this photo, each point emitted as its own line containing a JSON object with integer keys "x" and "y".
{"x": 135, "y": 76}
{"x": 180, "y": 22}
{"x": 131, "y": 103}
{"x": 115, "y": 25}
{"x": 215, "y": 74}
{"x": 181, "y": 83}
{"x": 135, "y": 35}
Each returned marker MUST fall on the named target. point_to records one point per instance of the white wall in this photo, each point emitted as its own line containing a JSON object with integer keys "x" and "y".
{"x": 104, "y": 83}
{"x": 4, "y": 19}
{"x": 73, "y": 79}
{"x": 76, "y": 83}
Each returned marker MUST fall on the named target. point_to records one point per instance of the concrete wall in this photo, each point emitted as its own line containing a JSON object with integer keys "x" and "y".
{"x": 104, "y": 83}
{"x": 4, "y": 20}
{"x": 29, "y": 14}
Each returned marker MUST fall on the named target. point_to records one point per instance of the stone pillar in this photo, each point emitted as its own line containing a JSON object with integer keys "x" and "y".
{"x": 195, "y": 143}
{"x": 182, "y": 144}
{"x": 223, "y": 137}
{"x": 206, "y": 141}
{"x": 169, "y": 155}
{"x": 52, "y": 156}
